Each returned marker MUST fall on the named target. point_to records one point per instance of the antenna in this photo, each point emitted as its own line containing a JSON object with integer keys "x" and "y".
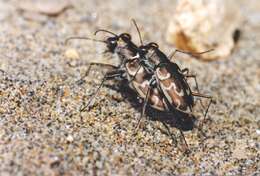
{"x": 103, "y": 30}
{"x": 139, "y": 33}
{"x": 82, "y": 38}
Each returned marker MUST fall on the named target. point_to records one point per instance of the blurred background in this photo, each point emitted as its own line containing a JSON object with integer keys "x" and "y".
{"x": 42, "y": 131}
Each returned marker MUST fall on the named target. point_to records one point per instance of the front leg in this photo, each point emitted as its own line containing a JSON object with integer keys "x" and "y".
{"x": 143, "y": 108}
{"x": 151, "y": 85}
{"x": 108, "y": 76}
{"x": 97, "y": 64}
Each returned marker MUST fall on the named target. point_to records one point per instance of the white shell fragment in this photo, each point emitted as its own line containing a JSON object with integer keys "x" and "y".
{"x": 201, "y": 25}
{"x": 72, "y": 54}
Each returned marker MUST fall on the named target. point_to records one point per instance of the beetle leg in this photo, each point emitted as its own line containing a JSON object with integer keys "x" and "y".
{"x": 143, "y": 108}
{"x": 187, "y": 75}
{"x": 186, "y": 150}
{"x": 204, "y": 96}
{"x": 173, "y": 137}
{"x": 196, "y": 83}
{"x": 107, "y": 76}
{"x": 187, "y": 52}
{"x": 170, "y": 56}
{"x": 98, "y": 64}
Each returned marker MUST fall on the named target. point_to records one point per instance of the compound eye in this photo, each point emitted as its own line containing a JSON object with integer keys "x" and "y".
{"x": 112, "y": 40}
{"x": 155, "y": 45}
{"x": 126, "y": 36}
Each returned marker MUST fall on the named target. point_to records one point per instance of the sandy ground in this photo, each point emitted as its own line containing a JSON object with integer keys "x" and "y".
{"x": 42, "y": 131}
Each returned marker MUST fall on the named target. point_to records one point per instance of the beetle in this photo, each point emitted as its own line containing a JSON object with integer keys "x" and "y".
{"x": 112, "y": 44}
{"x": 167, "y": 78}
{"x": 172, "y": 80}
{"x": 169, "y": 81}
{"x": 129, "y": 68}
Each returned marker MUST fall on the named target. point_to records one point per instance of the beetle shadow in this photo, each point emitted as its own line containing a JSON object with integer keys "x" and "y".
{"x": 177, "y": 119}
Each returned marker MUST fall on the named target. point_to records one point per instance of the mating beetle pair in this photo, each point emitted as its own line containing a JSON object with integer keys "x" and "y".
{"x": 150, "y": 73}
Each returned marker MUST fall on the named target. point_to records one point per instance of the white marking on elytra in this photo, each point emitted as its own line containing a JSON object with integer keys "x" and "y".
{"x": 133, "y": 72}
{"x": 155, "y": 105}
{"x": 169, "y": 98}
{"x": 136, "y": 56}
{"x": 141, "y": 70}
{"x": 144, "y": 84}
{"x": 156, "y": 91}
{"x": 165, "y": 104}
{"x": 162, "y": 78}
{"x": 172, "y": 85}
{"x": 136, "y": 85}
{"x": 156, "y": 99}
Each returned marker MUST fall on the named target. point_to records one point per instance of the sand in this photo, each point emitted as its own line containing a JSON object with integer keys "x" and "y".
{"x": 43, "y": 132}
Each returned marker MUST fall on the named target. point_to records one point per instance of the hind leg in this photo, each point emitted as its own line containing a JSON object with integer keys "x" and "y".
{"x": 207, "y": 97}
{"x": 188, "y": 53}
{"x": 198, "y": 94}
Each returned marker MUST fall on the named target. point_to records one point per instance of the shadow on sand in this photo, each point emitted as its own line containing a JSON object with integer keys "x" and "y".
{"x": 176, "y": 119}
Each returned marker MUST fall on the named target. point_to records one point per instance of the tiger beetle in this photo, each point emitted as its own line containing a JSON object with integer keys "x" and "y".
{"x": 172, "y": 81}
{"x": 168, "y": 79}
{"x": 123, "y": 47}
{"x": 150, "y": 73}
{"x": 139, "y": 78}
